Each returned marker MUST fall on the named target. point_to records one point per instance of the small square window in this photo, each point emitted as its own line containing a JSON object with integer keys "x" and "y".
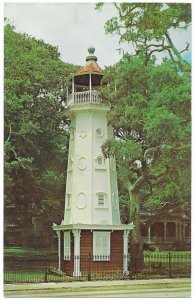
{"x": 99, "y": 160}
{"x": 100, "y": 199}
{"x": 100, "y": 163}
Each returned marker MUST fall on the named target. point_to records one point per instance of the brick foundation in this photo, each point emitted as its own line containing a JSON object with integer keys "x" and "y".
{"x": 115, "y": 264}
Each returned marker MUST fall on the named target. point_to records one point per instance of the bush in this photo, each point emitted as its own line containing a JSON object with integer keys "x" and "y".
{"x": 178, "y": 246}
{"x": 148, "y": 247}
{"x": 55, "y": 271}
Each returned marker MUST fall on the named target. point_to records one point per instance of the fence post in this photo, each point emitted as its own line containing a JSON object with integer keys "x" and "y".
{"x": 130, "y": 267}
{"x": 169, "y": 265}
{"x": 45, "y": 268}
{"x": 89, "y": 267}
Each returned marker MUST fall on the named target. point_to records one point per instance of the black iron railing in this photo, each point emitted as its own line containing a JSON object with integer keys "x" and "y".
{"x": 45, "y": 268}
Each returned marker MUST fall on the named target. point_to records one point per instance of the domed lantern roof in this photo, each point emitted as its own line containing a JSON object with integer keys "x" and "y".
{"x": 82, "y": 76}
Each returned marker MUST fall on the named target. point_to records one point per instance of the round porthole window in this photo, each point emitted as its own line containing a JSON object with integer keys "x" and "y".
{"x": 82, "y": 163}
{"x": 81, "y": 200}
{"x": 99, "y": 132}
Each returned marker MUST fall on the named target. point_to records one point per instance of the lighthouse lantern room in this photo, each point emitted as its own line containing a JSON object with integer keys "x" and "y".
{"x": 91, "y": 225}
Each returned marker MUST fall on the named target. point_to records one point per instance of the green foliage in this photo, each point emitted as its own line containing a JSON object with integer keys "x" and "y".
{"x": 151, "y": 112}
{"x": 36, "y": 143}
{"x": 151, "y": 108}
{"x": 151, "y": 121}
{"x": 153, "y": 129}
{"x": 147, "y": 27}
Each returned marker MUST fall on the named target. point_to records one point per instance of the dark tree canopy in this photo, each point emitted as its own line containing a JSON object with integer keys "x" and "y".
{"x": 36, "y": 143}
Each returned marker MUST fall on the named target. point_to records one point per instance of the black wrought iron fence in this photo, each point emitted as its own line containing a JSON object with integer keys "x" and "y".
{"x": 45, "y": 268}
{"x": 162, "y": 265}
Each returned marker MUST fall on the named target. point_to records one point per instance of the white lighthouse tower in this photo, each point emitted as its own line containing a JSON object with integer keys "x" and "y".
{"x": 91, "y": 222}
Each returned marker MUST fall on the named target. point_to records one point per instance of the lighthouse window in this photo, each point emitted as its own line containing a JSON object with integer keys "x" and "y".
{"x": 100, "y": 199}
{"x": 114, "y": 199}
{"x": 67, "y": 245}
{"x": 70, "y": 167}
{"x": 99, "y": 132}
{"x": 99, "y": 160}
{"x": 100, "y": 163}
{"x": 101, "y": 245}
{"x": 68, "y": 200}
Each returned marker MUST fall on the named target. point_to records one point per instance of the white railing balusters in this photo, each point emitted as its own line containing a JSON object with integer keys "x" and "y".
{"x": 84, "y": 97}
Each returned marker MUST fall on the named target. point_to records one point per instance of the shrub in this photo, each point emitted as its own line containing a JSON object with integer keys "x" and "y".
{"x": 148, "y": 247}
{"x": 55, "y": 271}
{"x": 178, "y": 246}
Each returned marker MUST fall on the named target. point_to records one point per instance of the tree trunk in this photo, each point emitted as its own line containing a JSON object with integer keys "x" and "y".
{"x": 136, "y": 244}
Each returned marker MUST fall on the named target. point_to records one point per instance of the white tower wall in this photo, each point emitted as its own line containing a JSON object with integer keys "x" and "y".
{"x": 89, "y": 175}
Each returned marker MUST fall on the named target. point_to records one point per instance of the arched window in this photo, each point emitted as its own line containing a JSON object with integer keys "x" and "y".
{"x": 188, "y": 230}
{"x": 157, "y": 229}
{"x": 171, "y": 229}
{"x": 144, "y": 230}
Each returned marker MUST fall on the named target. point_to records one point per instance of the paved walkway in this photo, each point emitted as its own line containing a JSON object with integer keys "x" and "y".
{"x": 99, "y": 283}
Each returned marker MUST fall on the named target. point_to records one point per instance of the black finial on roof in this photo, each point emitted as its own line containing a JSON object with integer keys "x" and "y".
{"x": 91, "y": 55}
{"x": 91, "y": 50}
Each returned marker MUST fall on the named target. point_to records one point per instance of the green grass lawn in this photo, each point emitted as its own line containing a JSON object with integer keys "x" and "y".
{"x": 166, "y": 252}
{"x": 176, "y": 257}
{"x": 25, "y": 252}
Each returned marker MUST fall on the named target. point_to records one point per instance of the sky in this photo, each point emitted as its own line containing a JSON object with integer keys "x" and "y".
{"x": 73, "y": 27}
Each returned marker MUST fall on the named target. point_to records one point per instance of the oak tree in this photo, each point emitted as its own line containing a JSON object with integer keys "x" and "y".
{"x": 35, "y": 142}
{"x": 150, "y": 110}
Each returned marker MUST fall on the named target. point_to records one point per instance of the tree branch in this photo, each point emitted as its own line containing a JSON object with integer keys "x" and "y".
{"x": 155, "y": 45}
{"x": 165, "y": 147}
{"x": 128, "y": 12}
{"x": 132, "y": 160}
{"x": 137, "y": 171}
{"x": 139, "y": 183}
{"x": 181, "y": 62}
{"x": 151, "y": 150}
{"x": 186, "y": 48}
{"x": 145, "y": 178}
{"x": 158, "y": 50}
{"x": 171, "y": 56}
{"x": 10, "y": 132}
{"x": 156, "y": 176}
